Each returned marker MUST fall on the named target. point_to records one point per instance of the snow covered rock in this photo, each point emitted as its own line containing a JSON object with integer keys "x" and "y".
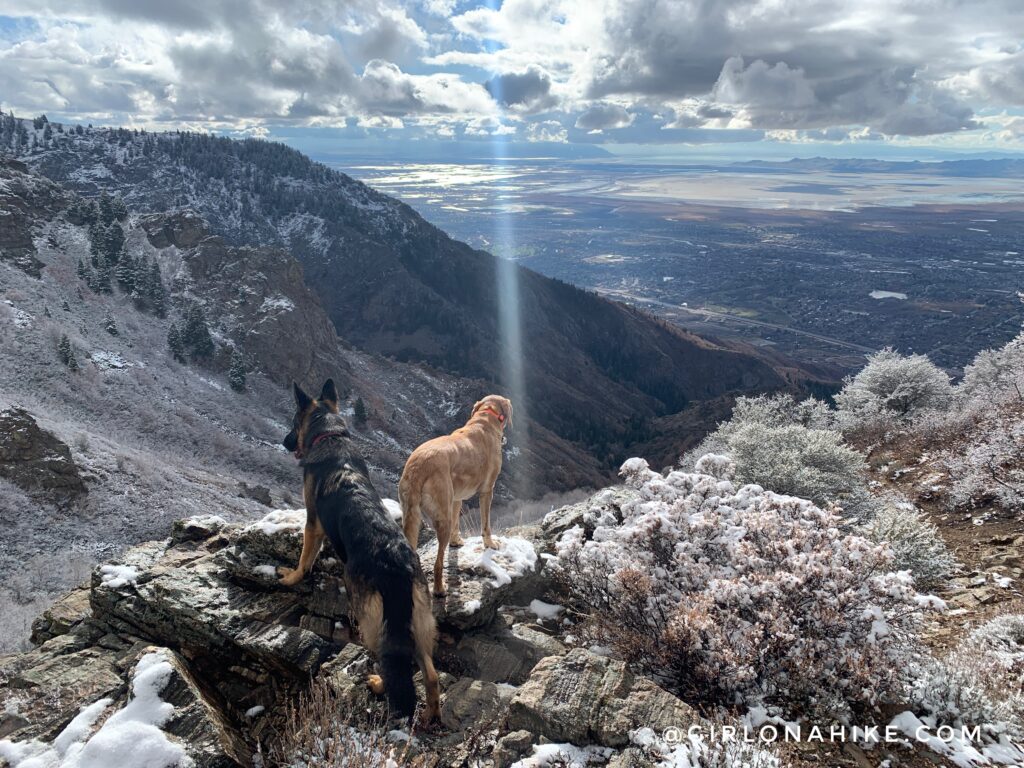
{"x": 155, "y": 716}
{"x": 586, "y": 699}
{"x": 603, "y": 508}
{"x": 479, "y": 580}
{"x": 196, "y": 528}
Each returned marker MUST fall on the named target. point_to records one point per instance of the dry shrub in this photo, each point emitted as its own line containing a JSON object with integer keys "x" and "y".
{"x": 743, "y": 597}
{"x": 317, "y": 735}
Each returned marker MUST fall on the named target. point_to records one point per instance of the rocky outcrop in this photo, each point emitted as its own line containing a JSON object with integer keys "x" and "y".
{"x": 182, "y": 229}
{"x": 583, "y": 698}
{"x": 22, "y": 200}
{"x": 240, "y": 650}
{"x": 480, "y": 580}
{"x": 603, "y": 506}
{"x": 36, "y": 460}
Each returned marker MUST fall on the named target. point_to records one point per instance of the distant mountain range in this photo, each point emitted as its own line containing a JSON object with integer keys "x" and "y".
{"x": 968, "y": 168}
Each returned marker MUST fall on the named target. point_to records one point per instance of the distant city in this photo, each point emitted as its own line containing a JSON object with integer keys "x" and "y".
{"x": 820, "y": 261}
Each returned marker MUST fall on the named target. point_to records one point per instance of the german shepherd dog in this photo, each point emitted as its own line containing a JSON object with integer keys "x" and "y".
{"x": 386, "y": 588}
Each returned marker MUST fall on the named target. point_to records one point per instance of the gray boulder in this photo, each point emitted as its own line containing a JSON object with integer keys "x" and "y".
{"x": 585, "y": 699}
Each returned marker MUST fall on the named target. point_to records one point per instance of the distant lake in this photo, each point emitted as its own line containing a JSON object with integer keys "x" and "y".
{"x": 522, "y": 186}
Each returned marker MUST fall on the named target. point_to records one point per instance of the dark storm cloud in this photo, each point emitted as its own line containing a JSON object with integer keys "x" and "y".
{"x": 601, "y": 117}
{"x": 529, "y": 89}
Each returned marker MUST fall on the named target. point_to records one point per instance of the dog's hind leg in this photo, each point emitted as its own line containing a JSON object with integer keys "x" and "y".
{"x": 424, "y": 629}
{"x": 456, "y": 538}
{"x": 409, "y": 500}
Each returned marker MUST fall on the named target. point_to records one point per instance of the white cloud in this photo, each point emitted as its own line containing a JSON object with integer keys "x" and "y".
{"x": 548, "y": 130}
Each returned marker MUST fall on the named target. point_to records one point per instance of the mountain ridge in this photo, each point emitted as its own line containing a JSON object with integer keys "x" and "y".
{"x": 393, "y": 284}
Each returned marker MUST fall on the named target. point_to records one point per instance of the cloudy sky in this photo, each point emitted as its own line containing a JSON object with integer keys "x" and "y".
{"x": 633, "y": 74}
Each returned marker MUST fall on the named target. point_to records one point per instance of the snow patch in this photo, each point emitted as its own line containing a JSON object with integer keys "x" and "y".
{"x": 394, "y": 510}
{"x": 117, "y": 576}
{"x": 277, "y": 303}
{"x": 291, "y": 520}
{"x": 516, "y": 558}
{"x": 107, "y": 361}
{"x": 130, "y": 738}
{"x": 568, "y": 755}
{"x": 544, "y": 610}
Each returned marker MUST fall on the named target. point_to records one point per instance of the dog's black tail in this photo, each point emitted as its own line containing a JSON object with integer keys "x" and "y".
{"x": 397, "y": 648}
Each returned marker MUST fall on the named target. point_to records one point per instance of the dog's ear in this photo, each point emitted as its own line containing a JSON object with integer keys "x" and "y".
{"x": 329, "y": 394}
{"x": 506, "y": 406}
{"x": 302, "y": 400}
{"x": 476, "y": 406}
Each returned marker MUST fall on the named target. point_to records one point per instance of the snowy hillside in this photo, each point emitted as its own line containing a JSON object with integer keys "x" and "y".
{"x": 155, "y": 438}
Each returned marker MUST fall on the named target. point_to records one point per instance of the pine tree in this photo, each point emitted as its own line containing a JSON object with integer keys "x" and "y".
{"x": 109, "y": 324}
{"x": 97, "y": 243}
{"x": 125, "y": 272}
{"x": 67, "y": 353}
{"x": 102, "y": 280}
{"x": 83, "y": 273}
{"x": 236, "y": 373}
{"x": 157, "y": 292}
{"x": 64, "y": 304}
{"x": 113, "y": 242}
{"x": 176, "y": 344}
{"x": 119, "y": 209}
{"x": 195, "y": 333}
{"x": 359, "y": 410}
{"x": 106, "y": 209}
{"x": 46, "y": 311}
{"x": 140, "y": 294}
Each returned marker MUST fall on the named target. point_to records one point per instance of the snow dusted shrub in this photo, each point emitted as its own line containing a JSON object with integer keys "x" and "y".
{"x": 988, "y": 467}
{"x": 778, "y": 410}
{"x": 914, "y": 540}
{"x": 716, "y": 465}
{"x": 996, "y": 375}
{"x": 742, "y": 596}
{"x": 978, "y": 685}
{"x": 813, "y": 464}
{"x": 787, "y": 447}
{"x": 892, "y": 387}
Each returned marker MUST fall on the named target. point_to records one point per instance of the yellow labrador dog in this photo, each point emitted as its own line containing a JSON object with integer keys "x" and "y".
{"x": 445, "y": 471}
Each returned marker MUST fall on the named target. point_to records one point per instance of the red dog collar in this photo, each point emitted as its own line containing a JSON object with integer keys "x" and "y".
{"x": 299, "y": 452}
{"x": 324, "y": 436}
{"x": 499, "y": 416}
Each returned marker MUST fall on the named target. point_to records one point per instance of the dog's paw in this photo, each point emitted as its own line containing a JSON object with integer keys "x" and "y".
{"x": 376, "y": 684}
{"x": 289, "y": 576}
{"x": 491, "y": 543}
{"x": 456, "y": 542}
{"x": 440, "y": 594}
{"x": 430, "y": 720}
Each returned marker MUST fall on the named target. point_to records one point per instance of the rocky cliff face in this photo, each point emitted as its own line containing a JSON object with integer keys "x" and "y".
{"x": 240, "y": 649}
{"x": 37, "y": 461}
